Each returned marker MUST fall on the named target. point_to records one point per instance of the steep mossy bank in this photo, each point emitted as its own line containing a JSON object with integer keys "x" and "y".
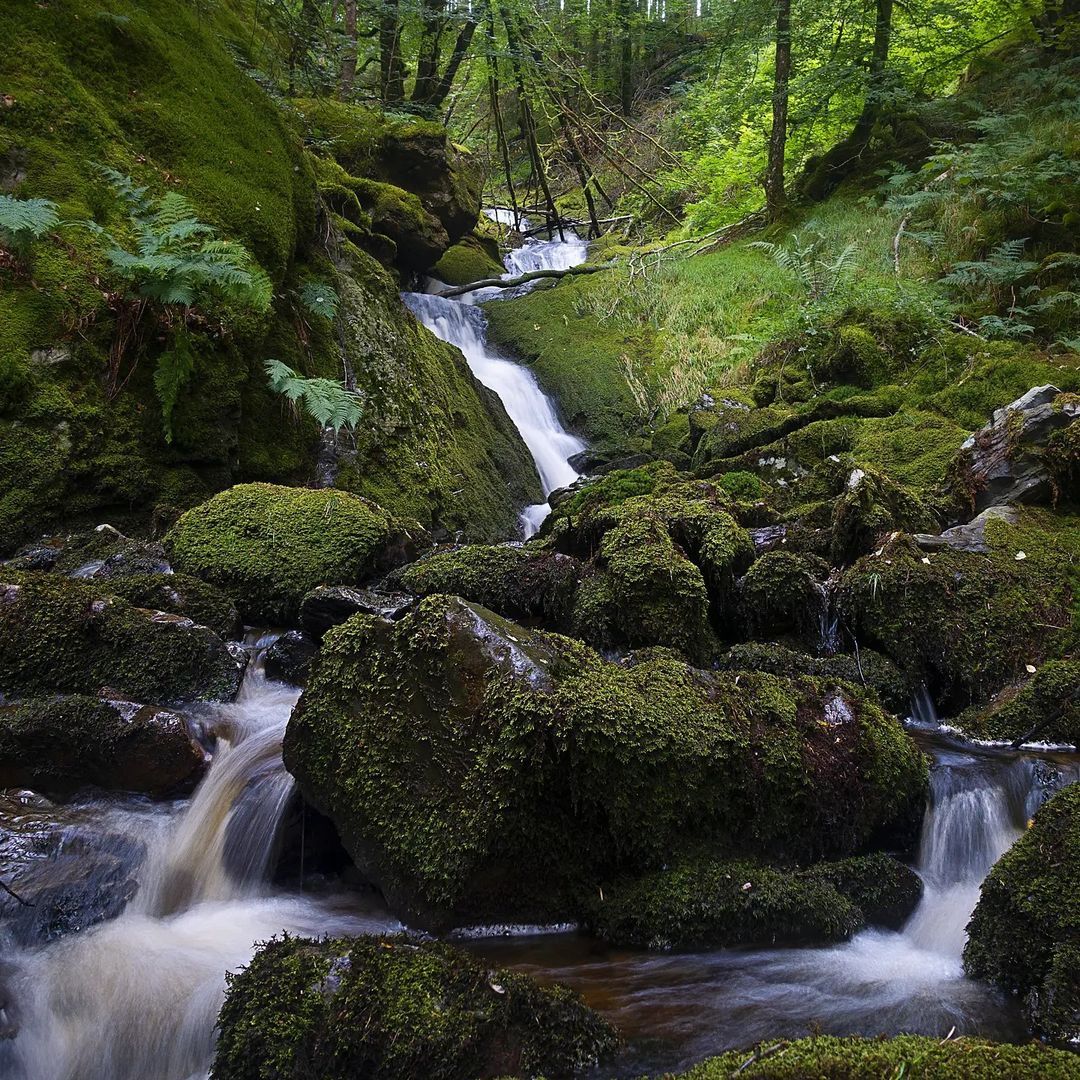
{"x": 158, "y": 91}
{"x": 480, "y": 771}
{"x": 390, "y": 1008}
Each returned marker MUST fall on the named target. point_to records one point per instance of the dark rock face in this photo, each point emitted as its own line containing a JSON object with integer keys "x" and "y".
{"x": 970, "y": 537}
{"x": 1003, "y": 464}
{"x": 477, "y": 770}
{"x": 1025, "y": 933}
{"x": 396, "y": 1007}
{"x": 61, "y": 636}
{"x": 288, "y": 660}
{"x": 330, "y": 605}
{"x": 58, "y": 745}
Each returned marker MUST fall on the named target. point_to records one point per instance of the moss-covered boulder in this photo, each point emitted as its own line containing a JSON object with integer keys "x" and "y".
{"x": 703, "y": 901}
{"x": 478, "y": 770}
{"x": 61, "y": 636}
{"x": 1045, "y": 708}
{"x": 471, "y": 259}
{"x": 267, "y": 545}
{"x": 969, "y": 622}
{"x": 57, "y": 745}
{"x": 825, "y": 1057}
{"x": 783, "y": 593}
{"x": 390, "y": 1008}
{"x": 526, "y": 583}
{"x": 868, "y": 669}
{"x": 1025, "y": 933}
{"x": 181, "y": 594}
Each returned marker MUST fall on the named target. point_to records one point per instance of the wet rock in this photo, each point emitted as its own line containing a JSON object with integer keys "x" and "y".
{"x": 289, "y": 659}
{"x": 343, "y": 1008}
{"x": 477, "y": 770}
{"x": 970, "y": 537}
{"x": 330, "y": 605}
{"x": 1024, "y": 932}
{"x": 82, "y": 881}
{"x": 59, "y": 745}
{"x": 62, "y": 636}
{"x": 268, "y": 546}
{"x": 701, "y": 901}
{"x": 783, "y": 592}
{"x": 181, "y": 594}
{"x": 1003, "y": 464}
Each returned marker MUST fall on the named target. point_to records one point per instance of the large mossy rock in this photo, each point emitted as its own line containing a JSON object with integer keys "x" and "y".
{"x": 825, "y": 1057}
{"x": 700, "y": 902}
{"x": 391, "y": 1008}
{"x": 267, "y": 545}
{"x": 969, "y": 622}
{"x": 477, "y": 770}
{"x": 1025, "y": 933}
{"x": 57, "y": 745}
{"x": 61, "y": 636}
{"x": 471, "y": 259}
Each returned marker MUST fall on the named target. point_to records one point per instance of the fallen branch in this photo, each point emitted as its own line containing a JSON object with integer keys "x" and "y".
{"x": 12, "y": 893}
{"x": 570, "y": 223}
{"x": 522, "y": 279}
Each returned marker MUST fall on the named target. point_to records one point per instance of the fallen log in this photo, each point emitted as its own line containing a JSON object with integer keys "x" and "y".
{"x": 522, "y": 279}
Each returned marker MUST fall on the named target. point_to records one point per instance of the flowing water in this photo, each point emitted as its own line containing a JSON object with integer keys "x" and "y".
{"x": 136, "y": 997}
{"x": 461, "y": 323}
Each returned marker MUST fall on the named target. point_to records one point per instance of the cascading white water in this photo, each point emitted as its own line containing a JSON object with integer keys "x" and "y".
{"x": 534, "y": 415}
{"x": 137, "y": 998}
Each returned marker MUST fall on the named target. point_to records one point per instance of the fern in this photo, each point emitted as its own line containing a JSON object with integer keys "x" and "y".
{"x": 320, "y": 299}
{"x": 173, "y": 373}
{"x": 327, "y": 402}
{"x": 804, "y": 258}
{"x": 22, "y": 221}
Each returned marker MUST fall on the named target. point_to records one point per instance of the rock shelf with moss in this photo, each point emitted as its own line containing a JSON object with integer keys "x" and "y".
{"x": 479, "y": 771}
{"x": 395, "y": 1007}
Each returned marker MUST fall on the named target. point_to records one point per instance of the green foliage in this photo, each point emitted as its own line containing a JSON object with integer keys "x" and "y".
{"x": 178, "y": 260}
{"x": 320, "y": 298}
{"x": 174, "y": 369}
{"x": 806, "y": 257}
{"x": 328, "y": 403}
{"x": 23, "y": 221}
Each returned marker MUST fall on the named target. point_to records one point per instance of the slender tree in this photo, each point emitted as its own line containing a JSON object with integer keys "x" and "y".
{"x": 775, "y": 196}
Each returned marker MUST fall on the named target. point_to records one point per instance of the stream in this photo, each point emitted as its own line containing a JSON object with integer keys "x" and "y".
{"x": 136, "y": 997}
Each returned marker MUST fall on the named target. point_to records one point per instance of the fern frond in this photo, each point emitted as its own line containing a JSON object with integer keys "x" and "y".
{"x": 327, "y": 402}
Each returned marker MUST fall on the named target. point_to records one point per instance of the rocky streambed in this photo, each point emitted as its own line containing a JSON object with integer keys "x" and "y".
{"x": 671, "y": 720}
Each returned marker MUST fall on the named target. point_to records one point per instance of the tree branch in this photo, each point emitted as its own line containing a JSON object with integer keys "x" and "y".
{"x": 521, "y": 279}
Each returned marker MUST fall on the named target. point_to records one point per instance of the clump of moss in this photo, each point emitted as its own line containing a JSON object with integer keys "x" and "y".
{"x": 393, "y": 1007}
{"x": 868, "y": 669}
{"x": 58, "y": 745}
{"x": 479, "y": 770}
{"x": 782, "y": 593}
{"x": 181, "y": 594}
{"x": 1025, "y": 930}
{"x": 969, "y": 622}
{"x": 703, "y": 901}
{"x": 73, "y": 637}
{"x": 518, "y": 582}
{"x": 267, "y": 545}
{"x": 471, "y": 259}
{"x": 825, "y": 1057}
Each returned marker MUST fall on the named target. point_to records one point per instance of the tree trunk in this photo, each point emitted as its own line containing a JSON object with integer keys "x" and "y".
{"x": 391, "y": 68}
{"x": 626, "y": 57}
{"x": 348, "y": 65}
{"x": 775, "y": 196}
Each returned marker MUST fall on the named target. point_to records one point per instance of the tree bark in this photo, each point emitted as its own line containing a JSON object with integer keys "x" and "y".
{"x": 522, "y": 279}
{"x": 348, "y": 65}
{"x": 391, "y": 68}
{"x": 775, "y": 195}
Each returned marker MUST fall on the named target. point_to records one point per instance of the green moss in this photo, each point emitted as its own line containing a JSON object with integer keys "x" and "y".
{"x": 73, "y": 637}
{"x": 59, "y": 745}
{"x": 781, "y": 592}
{"x": 518, "y": 582}
{"x": 394, "y": 1007}
{"x": 479, "y": 770}
{"x": 1024, "y": 933}
{"x": 181, "y": 594}
{"x": 827, "y": 1058}
{"x": 869, "y": 669}
{"x": 469, "y": 260}
{"x": 546, "y": 329}
{"x": 968, "y": 622}
{"x": 1046, "y": 708}
{"x": 702, "y": 901}
{"x": 267, "y": 546}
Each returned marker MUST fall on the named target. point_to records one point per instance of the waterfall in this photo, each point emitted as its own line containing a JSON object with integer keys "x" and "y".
{"x": 462, "y": 324}
{"x": 137, "y": 998}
